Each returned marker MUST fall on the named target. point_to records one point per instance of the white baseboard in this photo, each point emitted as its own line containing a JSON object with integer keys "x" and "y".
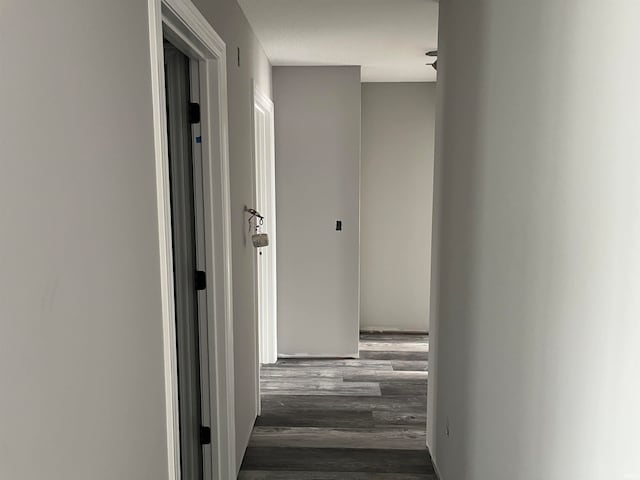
{"x": 318, "y": 356}
{"x": 433, "y": 462}
{"x": 392, "y": 330}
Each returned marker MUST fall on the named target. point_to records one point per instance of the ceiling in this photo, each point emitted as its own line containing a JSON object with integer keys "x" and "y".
{"x": 388, "y": 38}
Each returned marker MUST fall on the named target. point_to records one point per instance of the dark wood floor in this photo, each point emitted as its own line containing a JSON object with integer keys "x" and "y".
{"x": 345, "y": 419}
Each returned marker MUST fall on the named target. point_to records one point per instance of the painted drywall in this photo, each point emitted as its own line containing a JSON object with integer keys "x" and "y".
{"x": 398, "y": 122}
{"x": 81, "y": 348}
{"x": 227, "y": 19}
{"x": 81, "y": 352}
{"x": 317, "y": 124}
{"x": 538, "y": 201}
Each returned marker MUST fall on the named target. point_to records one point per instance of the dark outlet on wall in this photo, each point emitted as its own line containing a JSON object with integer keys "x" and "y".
{"x": 338, "y": 225}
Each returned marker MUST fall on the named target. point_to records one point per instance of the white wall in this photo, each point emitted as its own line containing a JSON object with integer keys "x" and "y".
{"x": 81, "y": 358}
{"x": 227, "y": 19}
{"x": 317, "y": 123}
{"x": 538, "y": 209}
{"x": 398, "y": 122}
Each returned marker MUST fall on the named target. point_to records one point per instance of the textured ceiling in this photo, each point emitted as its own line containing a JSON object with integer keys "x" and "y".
{"x": 388, "y": 38}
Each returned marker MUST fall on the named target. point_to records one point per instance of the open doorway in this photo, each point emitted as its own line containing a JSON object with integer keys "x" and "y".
{"x": 187, "y": 232}
{"x": 192, "y": 178}
{"x": 265, "y": 201}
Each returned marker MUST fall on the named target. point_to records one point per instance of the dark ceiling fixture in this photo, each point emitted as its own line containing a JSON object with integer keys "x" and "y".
{"x": 433, "y": 53}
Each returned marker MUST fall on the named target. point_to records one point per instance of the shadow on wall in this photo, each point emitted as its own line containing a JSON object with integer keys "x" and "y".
{"x": 456, "y": 203}
{"x": 534, "y": 315}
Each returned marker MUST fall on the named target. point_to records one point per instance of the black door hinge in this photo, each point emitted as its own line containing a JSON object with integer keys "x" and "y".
{"x": 205, "y": 435}
{"x": 200, "y": 280}
{"x": 194, "y": 113}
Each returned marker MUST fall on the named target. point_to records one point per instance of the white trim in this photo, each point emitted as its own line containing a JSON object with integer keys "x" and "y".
{"x": 433, "y": 462}
{"x": 393, "y": 330}
{"x": 262, "y": 100}
{"x": 164, "y": 234}
{"x": 265, "y": 305}
{"x": 330, "y": 356}
{"x": 265, "y": 202}
{"x": 254, "y": 271}
{"x": 182, "y": 23}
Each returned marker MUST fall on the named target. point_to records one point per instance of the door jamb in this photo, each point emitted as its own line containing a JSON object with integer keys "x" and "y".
{"x": 263, "y": 103}
{"x": 267, "y": 347}
{"x": 182, "y": 23}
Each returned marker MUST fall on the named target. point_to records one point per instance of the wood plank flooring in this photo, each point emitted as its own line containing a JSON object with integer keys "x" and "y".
{"x": 362, "y": 419}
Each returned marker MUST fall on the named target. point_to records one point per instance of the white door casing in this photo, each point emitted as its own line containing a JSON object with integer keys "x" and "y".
{"x": 181, "y": 23}
{"x": 265, "y": 201}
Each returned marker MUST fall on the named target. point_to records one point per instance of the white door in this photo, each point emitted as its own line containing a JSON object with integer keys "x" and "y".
{"x": 265, "y": 199}
{"x": 185, "y": 167}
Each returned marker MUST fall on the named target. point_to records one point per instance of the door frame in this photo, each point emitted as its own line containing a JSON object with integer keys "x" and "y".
{"x": 182, "y": 23}
{"x": 264, "y": 175}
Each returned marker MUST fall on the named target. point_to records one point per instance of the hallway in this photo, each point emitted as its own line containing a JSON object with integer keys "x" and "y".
{"x": 350, "y": 419}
